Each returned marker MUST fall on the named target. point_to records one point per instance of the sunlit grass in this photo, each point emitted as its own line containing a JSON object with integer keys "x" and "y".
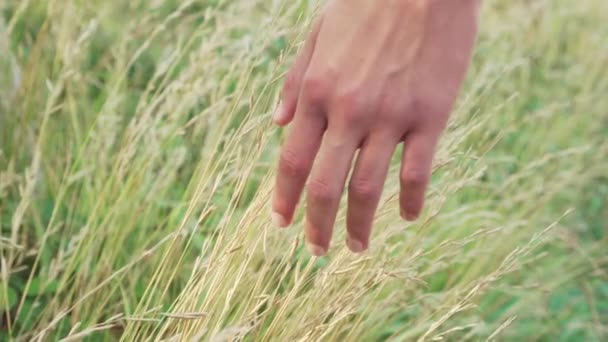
{"x": 137, "y": 160}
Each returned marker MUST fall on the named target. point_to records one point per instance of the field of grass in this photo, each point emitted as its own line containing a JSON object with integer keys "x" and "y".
{"x": 137, "y": 161}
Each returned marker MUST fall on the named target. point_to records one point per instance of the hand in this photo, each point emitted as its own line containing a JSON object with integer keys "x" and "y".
{"x": 371, "y": 75}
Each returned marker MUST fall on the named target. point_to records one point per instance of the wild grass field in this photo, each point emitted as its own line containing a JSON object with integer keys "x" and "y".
{"x": 137, "y": 160}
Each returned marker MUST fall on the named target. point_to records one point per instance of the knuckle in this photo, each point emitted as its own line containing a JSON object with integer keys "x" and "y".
{"x": 292, "y": 165}
{"x": 349, "y": 99}
{"x": 316, "y": 88}
{"x": 418, "y": 104}
{"x": 354, "y": 117}
{"x": 352, "y": 104}
{"x": 389, "y": 108}
{"x": 435, "y": 110}
{"x": 414, "y": 178}
{"x": 319, "y": 191}
{"x": 392, "y": 113}
{"x": 291, "y": 85}
{"x": 363, "y": 190}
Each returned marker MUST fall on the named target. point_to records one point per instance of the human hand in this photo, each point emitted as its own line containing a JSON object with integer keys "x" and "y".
{"x": 371, "y": 75}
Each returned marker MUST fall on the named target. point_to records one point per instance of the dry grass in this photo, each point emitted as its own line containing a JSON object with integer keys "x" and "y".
{"x": 137, "y": 161}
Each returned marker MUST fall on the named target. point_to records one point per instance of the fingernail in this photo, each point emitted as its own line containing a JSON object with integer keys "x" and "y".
{"x": 315, "y": 250}
{"x": 279, "y": 220}
{"x": 411, "y": 217}
{"x": 354, "y": 245}
{"x": 279, "y": 113}
{"x": 408, "y": 216}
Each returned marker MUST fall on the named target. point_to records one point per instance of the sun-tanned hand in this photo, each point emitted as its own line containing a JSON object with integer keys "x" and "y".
{"x": 372, "y": 74}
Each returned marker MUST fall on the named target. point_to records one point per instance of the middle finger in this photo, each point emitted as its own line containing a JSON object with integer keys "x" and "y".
{"x": 326, "y": 186}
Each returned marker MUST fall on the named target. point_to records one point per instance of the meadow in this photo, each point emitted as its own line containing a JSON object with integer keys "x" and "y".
{"x": 137, "y": 161}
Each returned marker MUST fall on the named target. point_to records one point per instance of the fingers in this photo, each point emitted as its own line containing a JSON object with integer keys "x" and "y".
{"x": 416, "y": 167}
{"x": 325, "y": 189}
{"x": 365, "y": 189}
{"x": 291, "y": 88}
{"x": 296, "y": 160}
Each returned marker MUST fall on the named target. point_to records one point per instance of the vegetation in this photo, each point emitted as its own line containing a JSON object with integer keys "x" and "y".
{"x": 137, "y": 162}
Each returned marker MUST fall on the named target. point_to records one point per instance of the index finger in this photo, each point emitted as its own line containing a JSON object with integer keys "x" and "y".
{"x": 297, "y": 156}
